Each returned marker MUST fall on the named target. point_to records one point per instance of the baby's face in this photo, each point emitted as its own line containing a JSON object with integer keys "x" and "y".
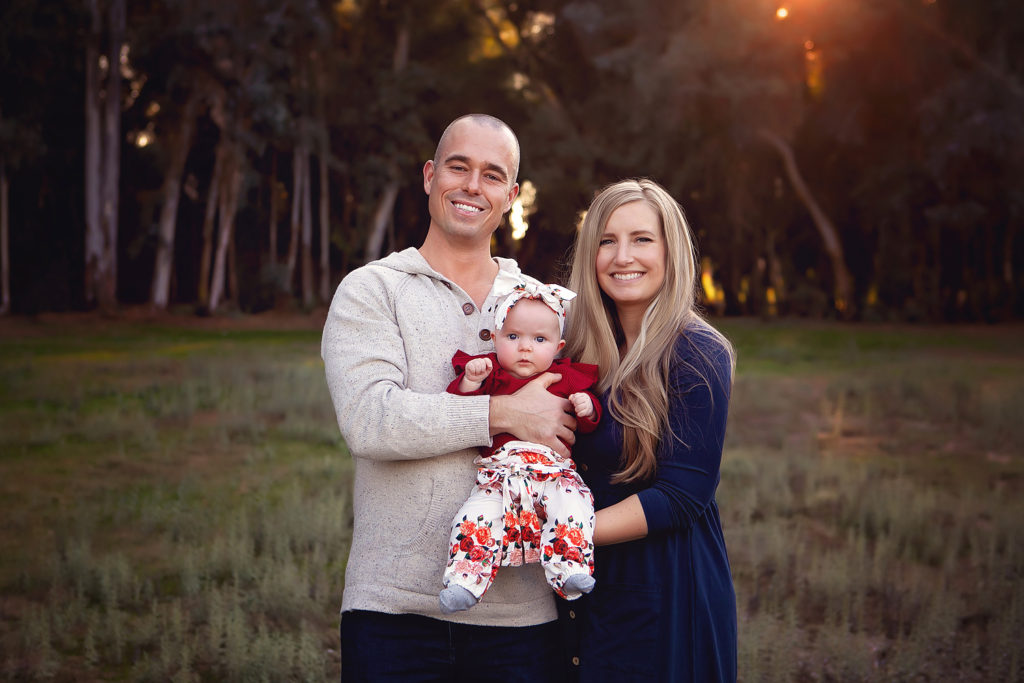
{"x": 529, "y": 340}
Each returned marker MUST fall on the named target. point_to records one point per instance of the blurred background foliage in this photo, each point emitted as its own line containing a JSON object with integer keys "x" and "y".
{"x": 858, "y": 160}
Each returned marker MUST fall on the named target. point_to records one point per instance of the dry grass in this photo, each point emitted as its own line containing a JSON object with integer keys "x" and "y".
{"x": 177, "y": 502}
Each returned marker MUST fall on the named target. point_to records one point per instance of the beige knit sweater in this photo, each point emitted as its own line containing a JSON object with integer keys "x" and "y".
{"x": 392, "y": 329}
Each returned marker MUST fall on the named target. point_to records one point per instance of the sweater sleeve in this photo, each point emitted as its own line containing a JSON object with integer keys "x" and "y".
{"x": 689, "y": 463}
{"x": 366, "y": 366}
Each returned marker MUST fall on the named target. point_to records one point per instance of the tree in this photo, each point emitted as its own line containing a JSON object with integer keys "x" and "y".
{"x": 103, "y": 153}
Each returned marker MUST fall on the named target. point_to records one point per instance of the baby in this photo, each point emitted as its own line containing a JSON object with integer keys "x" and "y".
{"x": 528, "y": 504}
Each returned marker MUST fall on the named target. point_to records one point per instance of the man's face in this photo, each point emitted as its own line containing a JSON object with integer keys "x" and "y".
{"x": 471, "y": 186}
{"x": 528, "y": 340}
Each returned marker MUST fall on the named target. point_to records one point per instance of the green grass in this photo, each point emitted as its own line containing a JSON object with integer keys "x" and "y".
{"x": 177, "y": 503}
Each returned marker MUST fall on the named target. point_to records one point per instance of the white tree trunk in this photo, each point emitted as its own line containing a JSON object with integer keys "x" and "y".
{"x": 386, "y": 203}
{"x": 93, "y": 147}
{"x": 228, "y": 207}
{"x": 179, "y": 147}
{"x": 300, "y": 166}
{"x": 209, "y": 219}
{"x": 325, "y": 222}
{"x": 381, "y": 218}
{"x": 5, "y": 243}
{"x": 107, "y": 293}
{"x": 826, "y": 229}
{"x": 307, "y": 236}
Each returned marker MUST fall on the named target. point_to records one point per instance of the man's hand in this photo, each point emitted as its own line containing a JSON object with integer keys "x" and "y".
{"x": 535, "y": 414}
{"x": 581, "y": 404}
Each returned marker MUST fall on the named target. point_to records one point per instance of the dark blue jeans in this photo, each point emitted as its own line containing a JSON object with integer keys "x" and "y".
{"x": 410, "y": 647}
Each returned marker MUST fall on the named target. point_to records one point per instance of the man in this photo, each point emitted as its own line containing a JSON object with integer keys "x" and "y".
{"x": 392, "y": 329}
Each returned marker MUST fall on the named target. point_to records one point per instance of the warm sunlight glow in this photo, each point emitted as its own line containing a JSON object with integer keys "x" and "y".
{"x": 781, "y": 13}
{"x": 522, "y": 207}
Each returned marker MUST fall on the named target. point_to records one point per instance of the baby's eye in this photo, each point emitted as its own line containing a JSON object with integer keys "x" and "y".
{"x": 513, "y": 336}
{"x": 541, "y": 340}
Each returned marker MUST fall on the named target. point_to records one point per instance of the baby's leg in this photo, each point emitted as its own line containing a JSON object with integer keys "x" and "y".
{"x": 474, "y": 551}
{"x": 568, "y": 536}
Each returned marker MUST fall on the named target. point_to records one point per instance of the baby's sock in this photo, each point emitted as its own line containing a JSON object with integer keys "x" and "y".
{"x": 584, "y": 583}
{"x": 457, "y": 598}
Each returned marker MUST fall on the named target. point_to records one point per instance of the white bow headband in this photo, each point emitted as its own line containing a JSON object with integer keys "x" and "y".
{"x": 553, "y": 296}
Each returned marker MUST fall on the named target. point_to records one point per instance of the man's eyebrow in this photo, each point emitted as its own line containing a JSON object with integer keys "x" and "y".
{"x": 489, "y": 166}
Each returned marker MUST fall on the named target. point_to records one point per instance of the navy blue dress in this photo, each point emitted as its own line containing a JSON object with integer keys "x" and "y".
{"x": 663, "y": 608}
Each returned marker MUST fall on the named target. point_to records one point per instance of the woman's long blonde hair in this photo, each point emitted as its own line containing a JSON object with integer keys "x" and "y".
{"x": 639, "y": 398}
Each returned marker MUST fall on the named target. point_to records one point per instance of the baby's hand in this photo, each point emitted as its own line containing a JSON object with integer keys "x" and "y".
{"x": 581, "y": 404}
{"x": 478, "y": 369}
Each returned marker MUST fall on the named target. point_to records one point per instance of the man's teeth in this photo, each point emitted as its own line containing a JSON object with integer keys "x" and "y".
{"x": 626, "y": 276}
{"x": 467, "y": 207}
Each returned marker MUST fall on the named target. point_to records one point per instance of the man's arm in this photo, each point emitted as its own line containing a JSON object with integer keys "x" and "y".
{"x": 366, "y": 366}
{"x": 535, "y": 414}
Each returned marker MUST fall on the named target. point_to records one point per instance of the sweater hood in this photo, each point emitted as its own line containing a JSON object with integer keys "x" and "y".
{"x": 411, "y": 262}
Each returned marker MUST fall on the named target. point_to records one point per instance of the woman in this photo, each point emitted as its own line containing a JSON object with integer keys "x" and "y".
{"x": 663, "y": 608}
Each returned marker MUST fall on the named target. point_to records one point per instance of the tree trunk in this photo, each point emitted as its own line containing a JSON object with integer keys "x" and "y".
{"x": 5, "y": 243}
{"x": 179, "y": 143}
{"x": 228, "y": 207}
{"x": 826, "y": 229}
{"x": 300, "y": 165}
{"x": 307, "y": 237}
{"x": 107, "y": 292}
{"x": 325, "y": 219}
{"x": 209, "y": 219}
{"x": 93, "y": 166}
{"x": 386, "y": 203}
{"x": 275, "y": 208}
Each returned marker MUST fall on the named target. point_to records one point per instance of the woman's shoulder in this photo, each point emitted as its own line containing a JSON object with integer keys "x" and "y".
{"x": 702, "y": 347}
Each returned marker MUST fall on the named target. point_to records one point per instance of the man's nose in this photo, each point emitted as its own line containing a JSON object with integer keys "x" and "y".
{"x": 473, "y": 182}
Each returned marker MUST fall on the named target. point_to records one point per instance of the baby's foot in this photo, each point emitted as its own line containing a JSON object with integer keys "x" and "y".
{"x": 578, "y": 583}
{"x": 457, "y": 598}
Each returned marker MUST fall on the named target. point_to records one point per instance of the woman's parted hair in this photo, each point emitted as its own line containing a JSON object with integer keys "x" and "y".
{"x": 639, "y": 397}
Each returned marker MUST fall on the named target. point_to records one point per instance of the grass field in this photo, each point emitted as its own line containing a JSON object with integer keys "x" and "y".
{"x": 176, "y": 503}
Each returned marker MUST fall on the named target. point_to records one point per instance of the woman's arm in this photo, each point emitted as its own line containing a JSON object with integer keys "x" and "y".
{"x": 624, "y": 521}
{"x": 688, "y": 466}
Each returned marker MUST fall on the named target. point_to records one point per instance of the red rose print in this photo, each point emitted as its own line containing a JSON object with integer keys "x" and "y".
{"x": 477, "y": 553}
{"x": 573, "y": 555}
{"x": 483, "y": 535}
{"x": 559, "y": 546}
{"x": 466, "y": 543}
{"x": 561, "y": 530}
{"x": 467, "y": 527}
{"x": 576, "y": 536}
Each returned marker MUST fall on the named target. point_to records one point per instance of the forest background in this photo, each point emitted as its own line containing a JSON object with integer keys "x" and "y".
{"x": 859, "y": 160}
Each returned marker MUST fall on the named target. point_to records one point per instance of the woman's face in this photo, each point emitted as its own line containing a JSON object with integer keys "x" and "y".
{"x": 631, "y": 256}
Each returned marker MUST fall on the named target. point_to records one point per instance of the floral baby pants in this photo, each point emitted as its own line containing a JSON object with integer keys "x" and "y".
{"x": 528, "y": 505}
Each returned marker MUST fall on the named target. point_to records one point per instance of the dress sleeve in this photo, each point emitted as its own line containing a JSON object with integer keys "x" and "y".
{"x": 366, "y": 367}
{"x": 689, "y": 463}
{"x": 459, "y": 361}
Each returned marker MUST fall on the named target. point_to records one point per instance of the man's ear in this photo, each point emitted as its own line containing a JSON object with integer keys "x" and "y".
{"x": 511, "y": 197}
{"x": 428, "y": 175}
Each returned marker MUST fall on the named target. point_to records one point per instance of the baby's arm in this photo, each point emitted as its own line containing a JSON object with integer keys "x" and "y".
{"x": 587, "y": 409}
{"x": 476, "y": 372}
{"x": 582, "y": 405}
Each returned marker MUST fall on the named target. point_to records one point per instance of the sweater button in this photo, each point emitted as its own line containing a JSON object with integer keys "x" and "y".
{"x": 485, "y": 335}
{"x": 575, "y": 661}
{"x": 467, "y": 308}
{"x": 572, "y": 614}
{"x": 583, "y": 466}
